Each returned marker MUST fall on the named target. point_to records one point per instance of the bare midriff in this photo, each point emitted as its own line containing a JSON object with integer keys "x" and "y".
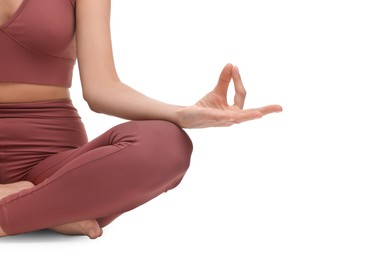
{"x": 21, "y": 92}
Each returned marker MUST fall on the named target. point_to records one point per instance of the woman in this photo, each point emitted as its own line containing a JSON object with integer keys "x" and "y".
{"x": 50, "y": 176}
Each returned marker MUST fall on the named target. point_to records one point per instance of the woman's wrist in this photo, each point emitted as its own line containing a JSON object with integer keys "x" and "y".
{"x": 176, "y": 115}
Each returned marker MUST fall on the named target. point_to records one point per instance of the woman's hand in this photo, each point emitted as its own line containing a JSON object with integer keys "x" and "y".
{"x": 213, "y": 109}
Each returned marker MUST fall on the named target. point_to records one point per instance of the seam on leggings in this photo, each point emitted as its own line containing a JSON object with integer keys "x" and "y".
{"x": 25, "y": 195}
{"x": 54, "y": 165}
{"x": 29, "y": 172}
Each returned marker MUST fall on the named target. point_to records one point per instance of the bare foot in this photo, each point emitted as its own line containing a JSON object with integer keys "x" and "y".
{"x": 89, "y": 228}
{"x": 11, "y": 188}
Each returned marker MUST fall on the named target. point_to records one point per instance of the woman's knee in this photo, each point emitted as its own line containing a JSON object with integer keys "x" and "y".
{"x": 158, "y": 140}
{"x": 173, "y": 137}
{"x": 169, "y": 149}
{"x": 171, "y": 142}
{"x": 175, "y": 149}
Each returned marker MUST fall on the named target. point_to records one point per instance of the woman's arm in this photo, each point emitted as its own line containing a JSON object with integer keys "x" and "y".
{"x": 102, "y": 88}
{"x": 105, "y": 93}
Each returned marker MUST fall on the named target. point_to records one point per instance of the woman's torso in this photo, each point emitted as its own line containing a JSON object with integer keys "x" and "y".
{"x": 14, "y": 92}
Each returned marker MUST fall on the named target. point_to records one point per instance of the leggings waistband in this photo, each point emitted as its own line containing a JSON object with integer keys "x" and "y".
{"x": 62, "y": 108}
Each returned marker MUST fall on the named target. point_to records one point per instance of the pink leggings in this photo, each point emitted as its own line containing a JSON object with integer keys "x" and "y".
{"x": 45, "y": 143}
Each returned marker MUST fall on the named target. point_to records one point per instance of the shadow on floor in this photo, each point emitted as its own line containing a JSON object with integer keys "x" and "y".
{"x": 42, "y": 236}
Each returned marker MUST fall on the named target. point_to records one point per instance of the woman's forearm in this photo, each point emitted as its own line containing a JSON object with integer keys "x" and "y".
{"x": 120, "y": 100}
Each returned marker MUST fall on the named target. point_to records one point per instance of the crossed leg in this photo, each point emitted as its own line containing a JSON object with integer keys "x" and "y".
{"x": 89, "y": 228}
{"x": 82, "y": 190}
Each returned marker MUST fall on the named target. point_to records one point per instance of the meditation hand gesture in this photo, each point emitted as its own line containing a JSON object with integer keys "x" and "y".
{"x": 213, "y": 109}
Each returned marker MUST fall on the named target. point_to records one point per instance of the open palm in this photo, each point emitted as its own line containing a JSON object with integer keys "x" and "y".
{"x": 213, "y": 109}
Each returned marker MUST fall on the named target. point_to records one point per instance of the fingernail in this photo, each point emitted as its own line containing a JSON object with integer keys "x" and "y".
{"x": 236, "y": 68}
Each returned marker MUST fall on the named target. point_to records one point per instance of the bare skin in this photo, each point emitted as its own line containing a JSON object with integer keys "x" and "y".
{"x": 20, "y": 92}
{"x": 89, "y": 227}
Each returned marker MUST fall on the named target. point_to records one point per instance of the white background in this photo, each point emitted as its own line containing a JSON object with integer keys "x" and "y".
{"x": 310, "y": 183}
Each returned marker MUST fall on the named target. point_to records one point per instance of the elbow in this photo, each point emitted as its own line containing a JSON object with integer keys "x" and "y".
{"x": 99, "y": 96}
{"x": 92, "y": 101}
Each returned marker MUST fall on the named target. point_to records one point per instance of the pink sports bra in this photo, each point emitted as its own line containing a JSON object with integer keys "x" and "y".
{"x": 37, "y": 44}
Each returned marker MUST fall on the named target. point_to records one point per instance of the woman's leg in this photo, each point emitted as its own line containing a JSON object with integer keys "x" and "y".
{"x": 90, "y": 227}
{"x": 118, "y": 171}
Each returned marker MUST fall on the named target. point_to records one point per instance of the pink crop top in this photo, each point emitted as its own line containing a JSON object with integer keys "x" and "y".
{"x": 37, "y": 44}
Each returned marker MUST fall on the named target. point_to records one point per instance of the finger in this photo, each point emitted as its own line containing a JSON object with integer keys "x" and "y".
{"x": 217, "y": 117}
{"x": 239, "y": 97}
{"x": 239, "y": 116}
{"x": 224, "y": 80}
{"x": 269, "y": 109}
